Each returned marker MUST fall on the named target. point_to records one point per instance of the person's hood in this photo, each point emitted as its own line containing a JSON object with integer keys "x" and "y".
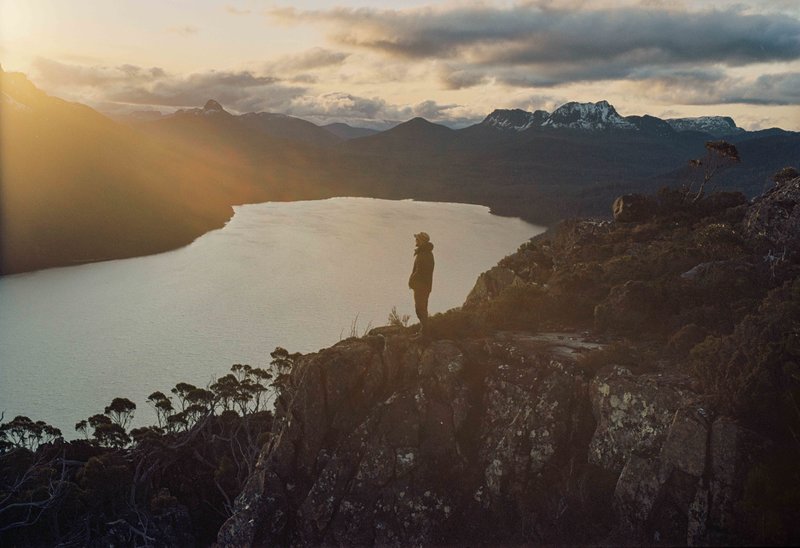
{"x": 424, "y": 247}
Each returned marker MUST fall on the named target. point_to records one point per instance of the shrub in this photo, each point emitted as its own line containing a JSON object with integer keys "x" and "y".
{"x": 396, "y": 320}
{"x": 753, "y": 372}
{"x": 174, "y": 485}
{"x": 686, "y": 338}
{"x": 719, "y": 241}
{"x": 455, "y": 323}
{"x": 786, "y": 174}
{"x": 517, "y": 307}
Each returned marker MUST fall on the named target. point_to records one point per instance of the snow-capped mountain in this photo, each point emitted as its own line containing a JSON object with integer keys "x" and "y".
{"x": 515, "y": 119}
{"x": 587, "y": 116}
{"x": 718, "y": 126}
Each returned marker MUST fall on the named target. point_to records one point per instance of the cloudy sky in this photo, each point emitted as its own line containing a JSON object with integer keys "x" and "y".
{"x": 365, "y": 61}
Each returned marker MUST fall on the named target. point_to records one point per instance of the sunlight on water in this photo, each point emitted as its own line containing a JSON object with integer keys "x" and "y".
{"x": 291, "y": 274}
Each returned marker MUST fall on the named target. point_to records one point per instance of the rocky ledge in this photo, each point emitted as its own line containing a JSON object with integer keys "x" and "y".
{"x": 389, "y": 441}
{"x": 513, "y": 436}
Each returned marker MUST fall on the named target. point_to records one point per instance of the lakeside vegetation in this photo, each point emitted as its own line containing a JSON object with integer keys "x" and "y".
{"x": 171, "y": 483}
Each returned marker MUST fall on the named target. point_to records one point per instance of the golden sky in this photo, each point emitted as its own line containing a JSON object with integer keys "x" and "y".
{"x": 451, "y": 62}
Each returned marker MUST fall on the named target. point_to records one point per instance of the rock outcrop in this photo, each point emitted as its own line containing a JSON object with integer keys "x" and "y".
{"x": 774, "y": 219}
{"x": 490, "y": 284}
{"x": 389, "y": 441}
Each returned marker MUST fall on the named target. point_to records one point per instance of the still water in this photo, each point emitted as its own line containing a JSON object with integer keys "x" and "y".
{"x": 297, "y": 275}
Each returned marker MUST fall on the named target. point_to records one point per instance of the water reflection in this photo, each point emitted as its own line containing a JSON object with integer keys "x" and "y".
{"x": 279, "y": 274}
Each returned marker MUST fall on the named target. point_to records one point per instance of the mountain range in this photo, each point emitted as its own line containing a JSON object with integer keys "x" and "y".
{"x": 602, "y": 116}
{"x": 78, "y": 186}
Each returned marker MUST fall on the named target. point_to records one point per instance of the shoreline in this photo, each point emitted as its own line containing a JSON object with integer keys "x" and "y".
{"x": 492, "y": 210}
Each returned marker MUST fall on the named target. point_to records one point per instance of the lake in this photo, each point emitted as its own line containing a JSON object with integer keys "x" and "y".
{"x": 300, "y": 275}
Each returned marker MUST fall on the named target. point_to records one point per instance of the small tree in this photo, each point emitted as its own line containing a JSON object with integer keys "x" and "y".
{"x": 23, "y": 432}
{"x": 162, "y": 405}
{"x": 107, "y": 432}
{"x": 83, "y": 428}
{"x": 181, "y": 390}
{"x": 201, "y": 403}
{"x": 281, "y": 367}
{"x": 719, "y": 155}
{"x": 121, "y": 411}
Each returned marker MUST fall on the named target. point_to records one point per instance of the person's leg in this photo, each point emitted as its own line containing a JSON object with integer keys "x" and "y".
{"x": 421, "y": 308}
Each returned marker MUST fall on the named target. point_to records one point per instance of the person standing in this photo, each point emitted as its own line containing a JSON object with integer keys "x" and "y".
{"x": 421, "y": 279}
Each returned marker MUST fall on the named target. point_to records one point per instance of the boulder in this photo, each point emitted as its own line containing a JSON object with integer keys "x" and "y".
{"x": 772, "y": 222}
{"x": 490, "y": 284}
{"x": 632, "y": 208}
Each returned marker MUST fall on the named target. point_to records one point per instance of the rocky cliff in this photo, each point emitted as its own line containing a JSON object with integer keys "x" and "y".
{"x": 498, "y": 431}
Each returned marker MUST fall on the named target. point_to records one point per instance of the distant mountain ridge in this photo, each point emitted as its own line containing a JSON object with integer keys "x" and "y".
{"x": 601, "y": 116}
{"x": 515, "y": 119}
{"x": 718, "y": 126}
{"x": 346, "y": 131}
{"x": 588, "y": 116}
{"x": 211, "y": 108}
{"x": 288, "y": 127}
{"x": 575, "y": 116}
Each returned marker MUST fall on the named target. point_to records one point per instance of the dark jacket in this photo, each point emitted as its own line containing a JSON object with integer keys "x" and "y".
{"x": 422, "y": 275}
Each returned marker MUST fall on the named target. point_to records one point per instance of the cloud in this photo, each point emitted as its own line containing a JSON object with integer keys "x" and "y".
{"x": 535, "y": 102}
{"x": 375, "y": 112}
{"x": 453, "y": 77}
{"x": 544, "y": 44}
{"x": 767, "y": 89}
{"x": 241, "y": 91}
{"x": 773, "y": 89}
{"x": 55, "y": 74}
{"x": 341, "y": 105}
{"x": 311, "y": 59}
{"x": 132, "y": 87}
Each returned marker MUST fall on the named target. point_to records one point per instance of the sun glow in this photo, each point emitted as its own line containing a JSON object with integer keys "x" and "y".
{"x": 16, "y": 20}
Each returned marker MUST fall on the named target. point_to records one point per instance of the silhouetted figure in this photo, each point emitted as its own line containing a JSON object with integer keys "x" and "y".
{"x": 421, "y": 279}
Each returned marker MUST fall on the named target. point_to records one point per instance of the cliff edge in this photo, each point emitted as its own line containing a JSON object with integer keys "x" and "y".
{"x": 606, "y": 383}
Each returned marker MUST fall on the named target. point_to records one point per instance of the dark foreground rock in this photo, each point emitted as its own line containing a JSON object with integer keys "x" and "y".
{"x": 389, "y": 441}
{"x": 774, "y": 219}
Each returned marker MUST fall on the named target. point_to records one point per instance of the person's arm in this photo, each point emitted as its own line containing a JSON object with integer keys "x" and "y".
{"x": 412, "y": 280}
